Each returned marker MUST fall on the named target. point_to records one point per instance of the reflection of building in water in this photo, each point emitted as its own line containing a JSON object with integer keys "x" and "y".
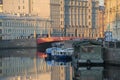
{"x": 112, "y": 73}
{"x": 21, "y": 66}
{"x": 56, "y": 63}
{"x": 61, "y": 73}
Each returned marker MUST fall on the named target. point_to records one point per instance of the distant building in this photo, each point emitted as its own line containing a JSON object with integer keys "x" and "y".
{"x": 32, "y": 7}
{"x": 20, "y": 26}
{"x": 75, "y": 18}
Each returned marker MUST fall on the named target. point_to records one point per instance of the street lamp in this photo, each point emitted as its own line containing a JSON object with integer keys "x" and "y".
{"x": 116, "y": 18}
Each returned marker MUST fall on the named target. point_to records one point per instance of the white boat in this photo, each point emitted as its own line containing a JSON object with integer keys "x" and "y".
{"x": 63, "y": 53}
{"x": 55, "y": 46}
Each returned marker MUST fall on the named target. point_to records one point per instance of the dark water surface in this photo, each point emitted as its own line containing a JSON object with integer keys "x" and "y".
{"x": 29, "y": 64}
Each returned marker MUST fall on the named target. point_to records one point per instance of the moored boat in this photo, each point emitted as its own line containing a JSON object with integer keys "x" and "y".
{"x": 87, "y": 52}
{"x": 63, "y": 53}
{"x": 55, "y": 46}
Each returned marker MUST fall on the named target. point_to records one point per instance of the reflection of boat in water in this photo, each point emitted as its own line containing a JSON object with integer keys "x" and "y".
{"x": 41, "y": 55}
{"x": 87, "y": 52}
{"x": 83, "y": 73}
{"x": 60, "y": 62}
{"x": 63, "y": 53}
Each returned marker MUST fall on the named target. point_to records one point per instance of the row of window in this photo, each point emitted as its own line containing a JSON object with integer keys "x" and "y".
{"x": 83, "y": 35}
{"x": 23, "y": 7}
{"x": 83, "y": 3}
{"x": 19, "y": 31}
{"x": 24, "y": 24}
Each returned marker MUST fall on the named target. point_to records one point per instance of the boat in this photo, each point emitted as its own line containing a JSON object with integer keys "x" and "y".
{"x": 55, "y": 46}
{"x": 49, "y": 50}
{"x": 62, "y": 53}
{"x": 112, "y": 52}
{"x": 87, "y": 52}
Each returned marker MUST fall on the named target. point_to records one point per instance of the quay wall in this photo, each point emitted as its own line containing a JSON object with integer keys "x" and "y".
{"x": 18, "y": 43}
{"x": 18, "y": 53}
{"x": 112, "y": 55}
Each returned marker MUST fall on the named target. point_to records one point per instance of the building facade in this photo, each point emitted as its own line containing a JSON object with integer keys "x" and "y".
{"x": 112, "y": 17}
{"x": 75, "y": 18}
{"x": 27, "y": 7}
{"x": 17, "y": 27}
{"x": 55, "y": 16}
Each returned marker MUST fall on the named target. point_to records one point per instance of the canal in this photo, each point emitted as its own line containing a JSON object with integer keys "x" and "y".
{"x": 30, "y": 64}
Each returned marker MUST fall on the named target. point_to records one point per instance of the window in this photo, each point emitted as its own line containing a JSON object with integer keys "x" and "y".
{"x": 61, "y": 2}
{"x": 89, "y": 16}
{"x": 23, "y": 1}
{"x": 89, "y": 23}
{"x": 87, "y": 49}
{"x": 19, "y": 7}
{"x": 23, "y": 7}
{"x": 61, "y": 22}
{"x": 89, "y": 10}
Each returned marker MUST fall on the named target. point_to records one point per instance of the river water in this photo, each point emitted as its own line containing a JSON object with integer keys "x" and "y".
{"x": 30, "y": 64}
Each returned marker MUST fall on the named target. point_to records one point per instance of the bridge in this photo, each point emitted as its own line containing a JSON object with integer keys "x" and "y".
{"x": 44, "y": 43}
{"x": 53, "y": 39}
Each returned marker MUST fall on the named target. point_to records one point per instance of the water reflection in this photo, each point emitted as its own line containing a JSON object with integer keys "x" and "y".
{"x": 59, "y": 62}
{"x": 29, "y": 64}
{"x": 85, "y": 73}
{"x": 23, "y": 65}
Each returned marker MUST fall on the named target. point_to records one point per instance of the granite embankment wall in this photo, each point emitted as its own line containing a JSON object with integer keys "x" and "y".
{"x": 112, "y": 55}
{"x": 18, "y": 43}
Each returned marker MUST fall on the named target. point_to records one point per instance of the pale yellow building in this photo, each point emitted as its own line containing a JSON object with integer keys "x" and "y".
{"x": 31, "y": 7}
{"x": 19, "y": 27}
{"x": 73, "y": 18}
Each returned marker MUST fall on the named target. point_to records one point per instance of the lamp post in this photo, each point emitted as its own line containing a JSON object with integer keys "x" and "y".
{"x": 103, "y": 23}
{"x": 116, "y": 18}
{"x": 35, "y": 28}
